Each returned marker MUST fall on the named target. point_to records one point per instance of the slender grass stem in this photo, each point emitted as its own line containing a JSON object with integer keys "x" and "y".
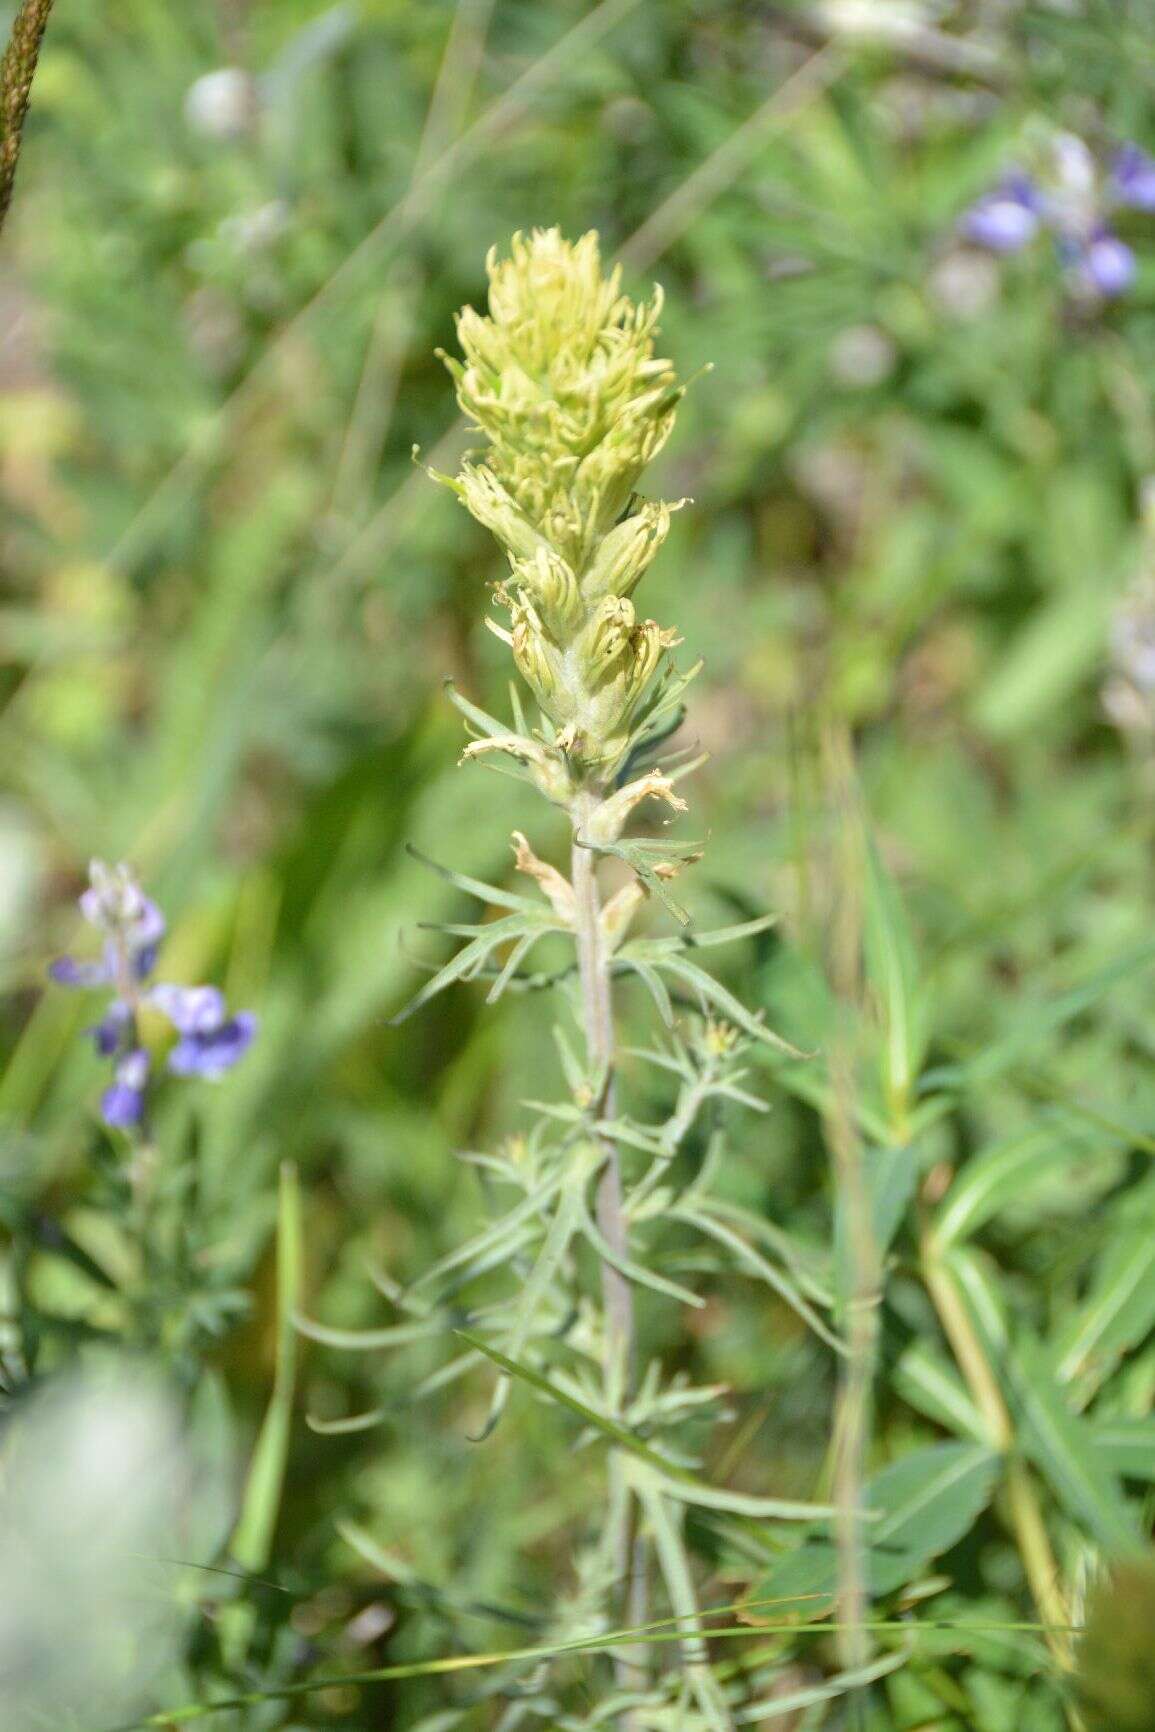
{"x": 861, "y": 1278}
{"x": 1026, "y": 1521}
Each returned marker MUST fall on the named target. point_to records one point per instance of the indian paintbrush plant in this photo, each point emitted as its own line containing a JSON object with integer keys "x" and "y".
{"x": 563, "y": 379}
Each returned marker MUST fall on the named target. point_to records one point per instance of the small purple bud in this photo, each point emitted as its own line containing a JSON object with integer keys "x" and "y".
{"x": 66, "y": 971}
{"x": 144, "y": 961}
{"x": 1107, "y": 264}
{"x": 122, "y": 1105}
{"x": 148, "y": 926}
{"x": 212, "y": 1053}
{"x": 1133, "y": 177}
{"x": 1001, "y": 222}
{"x": 1023, "y": 190}
{"x": 108, "y": 1033}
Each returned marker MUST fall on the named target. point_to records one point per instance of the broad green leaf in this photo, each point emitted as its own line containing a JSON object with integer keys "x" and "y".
{"x": 925, "y": 1503}
{"x": 1062, "y": 1447}
{"x": 1126, "y": 1447}
{"x": 891, "y": 1175}
{"x": 929, "y": 1382}
{"x": 1118, "y": 1311}
{"x": 1052, "y": 654}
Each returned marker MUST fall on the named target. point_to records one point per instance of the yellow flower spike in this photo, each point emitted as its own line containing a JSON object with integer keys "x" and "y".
{"x": 561, "y": 377}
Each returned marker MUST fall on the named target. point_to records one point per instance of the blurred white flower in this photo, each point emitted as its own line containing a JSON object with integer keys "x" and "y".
{"x": 861, "y": 356}
{"x": 221, "y": 104}
{"x": 965, "y": 283}
{"x": 249, "y": 231}
{"x": 97, "y": 1492}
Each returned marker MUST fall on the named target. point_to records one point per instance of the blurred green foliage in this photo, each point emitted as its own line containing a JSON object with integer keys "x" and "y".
{"x": 230, "y": 601}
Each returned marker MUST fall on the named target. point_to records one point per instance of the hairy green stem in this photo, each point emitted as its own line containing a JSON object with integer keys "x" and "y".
{"x": 598, "y": 1018}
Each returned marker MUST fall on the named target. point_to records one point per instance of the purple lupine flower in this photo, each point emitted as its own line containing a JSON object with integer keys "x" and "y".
{"x": 1107, "y": 264}
{"x": 66, "y": 971}
{"x": 212, "y": 1053}
{"x": 122, "y": 1105}
{"x": 1070, "y": 196}
{"x": 132, "y": 923}
{"x": 1133, "y": 177}
{"x": 113, "y": 1030}
{"x": 211, "y": 1041}
{"x": 1006, "y": 220}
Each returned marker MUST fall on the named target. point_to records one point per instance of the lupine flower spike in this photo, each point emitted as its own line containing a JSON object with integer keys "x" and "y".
{"x": 210, "y": 1040}
{"x": 1072, "y": 196}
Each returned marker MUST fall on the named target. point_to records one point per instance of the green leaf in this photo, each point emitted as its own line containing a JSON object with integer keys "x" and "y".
{"x": 1038, "y": 1022}
{"x": 713, "y": 995}
{"x": 732, "y": 934}
{"x": 643, "y": 855}
{"x": 891, "y": 1175}
{"x": 666, "y": 1533}
{"x": 1118, "y": 1312}
{"x": 1126, "y": 1447}
{"x": 500, "y": 1235}
{"x": 926, "y": 1502}
{"x": 609, "y": 1428}
{"x": 252, "y": 1541}
{"x": 487, "y": 893}
{"x": 701, "y": 1215}
{"x": 1062, "y": 1446}
{"x": 892, "y": 972}
{"x": 794, "y": 1701}
{"x": 472, "y": 957}
{"x": 929, "y": 1382}
{"x": 1000, "y": 1175}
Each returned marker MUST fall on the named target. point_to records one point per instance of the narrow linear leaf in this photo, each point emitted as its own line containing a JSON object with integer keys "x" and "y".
{"x": 1001, "y": 1174}
{"x": 707, "y": 1222}
{"x": 829, "y": 1690}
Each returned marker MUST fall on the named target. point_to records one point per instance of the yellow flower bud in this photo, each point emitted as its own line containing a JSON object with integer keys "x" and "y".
{"x": 624, "y": 555}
